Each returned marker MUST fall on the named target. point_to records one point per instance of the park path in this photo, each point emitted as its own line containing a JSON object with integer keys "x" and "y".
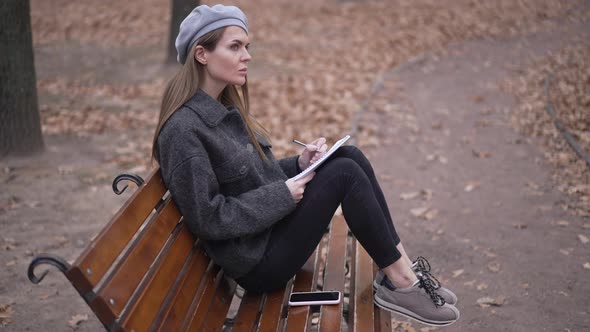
{"x": 490, "y": 223}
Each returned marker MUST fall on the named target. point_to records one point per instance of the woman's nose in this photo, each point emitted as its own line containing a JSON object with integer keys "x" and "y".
{"x": 246, "y": 56}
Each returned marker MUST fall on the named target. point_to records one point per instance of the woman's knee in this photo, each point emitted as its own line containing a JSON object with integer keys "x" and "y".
{"x": 349, "y": 151}
{"x": 342, "y": 171}
{"x": 341, "y": 164}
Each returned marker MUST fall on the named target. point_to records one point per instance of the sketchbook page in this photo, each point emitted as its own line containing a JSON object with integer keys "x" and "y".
{"x": 322, "y": 159}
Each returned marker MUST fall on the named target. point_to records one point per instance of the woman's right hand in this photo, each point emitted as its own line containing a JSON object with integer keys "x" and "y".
{"x": 298, "y": 187}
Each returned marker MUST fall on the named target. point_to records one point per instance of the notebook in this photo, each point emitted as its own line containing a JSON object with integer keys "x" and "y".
{"x": 315, "y": 165}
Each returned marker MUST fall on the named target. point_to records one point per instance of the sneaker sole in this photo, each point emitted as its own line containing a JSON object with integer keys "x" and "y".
{"x": 406, "y": 313}
{"x": 376, "y": 285}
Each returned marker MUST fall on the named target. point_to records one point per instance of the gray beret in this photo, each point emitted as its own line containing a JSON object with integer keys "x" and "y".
{"x": 204, "y": 19}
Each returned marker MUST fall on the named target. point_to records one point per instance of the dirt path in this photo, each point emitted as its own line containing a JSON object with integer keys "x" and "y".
{"x": 493, "y": 230}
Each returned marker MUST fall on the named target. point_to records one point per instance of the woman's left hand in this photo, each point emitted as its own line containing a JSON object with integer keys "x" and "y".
{"x": 312, "y": 152}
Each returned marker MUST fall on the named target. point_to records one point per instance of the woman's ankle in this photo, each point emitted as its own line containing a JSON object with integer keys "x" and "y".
{"x": 401, "y": 280}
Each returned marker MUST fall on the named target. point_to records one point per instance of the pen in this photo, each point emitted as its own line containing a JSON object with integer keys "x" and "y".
{"x": 300, "y": 143}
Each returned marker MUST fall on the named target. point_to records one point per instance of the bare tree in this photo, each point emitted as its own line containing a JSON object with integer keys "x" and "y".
{"x": 180, "y": 10}
{"x": 20, "y": 126}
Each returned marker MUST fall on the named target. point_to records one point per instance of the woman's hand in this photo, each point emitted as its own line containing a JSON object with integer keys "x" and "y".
{"x": 312, "y": 152}
{"x": 298, "y": 187}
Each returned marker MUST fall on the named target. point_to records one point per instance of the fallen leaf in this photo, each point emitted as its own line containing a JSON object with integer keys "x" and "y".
{"x": 583, "y": 238}
{"x": 5, "y": 314}
{"x": 561, "y": 223}
{"x": 457, "y": 273}
{"x": 471, "y": 185}
{"x": 587, "y": 265}
{"x": 478, "y": 99}
{"x": 419, "y": 212}
{"x": 397, "y": 325}
{"x": 406, "y": 196}
{"x": 482, "y": 286}
{"x": 520, "y": 226}
{"x": 77, "y": 320}
{"x": 60, "y": 240}
{"x": 431, "y": 214}
{"x": 480, "y": 154}
{"x": 426, "y": 194}
{"x": 469, "y": 283}
{"x": 11, "y": 263}
{"x": 490, "y": 254}
{"x": 586, "y": 225}
{"x": 494, "y": 267}
{"x": 487, "y": 301}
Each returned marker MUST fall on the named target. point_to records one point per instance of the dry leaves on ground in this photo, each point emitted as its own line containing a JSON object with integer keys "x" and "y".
{"x": 76, "y": 320}
{"x": 487, "y": 301}
{"x": 494, "y": 266}
{"x": 314, "y": 84}
{"x": 426, "y": 213}
{"x": 6, "y": 313}
{"x": 570, "y": 95}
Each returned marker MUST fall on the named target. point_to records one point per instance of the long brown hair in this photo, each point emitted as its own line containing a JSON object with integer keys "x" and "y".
{"x": 187, "y": 81}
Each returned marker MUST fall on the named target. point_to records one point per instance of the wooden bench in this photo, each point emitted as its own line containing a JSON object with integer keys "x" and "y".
{"x": 145, "y": 271}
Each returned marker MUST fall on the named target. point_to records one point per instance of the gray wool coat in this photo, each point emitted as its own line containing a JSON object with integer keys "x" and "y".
{"x": 229, "y": 197}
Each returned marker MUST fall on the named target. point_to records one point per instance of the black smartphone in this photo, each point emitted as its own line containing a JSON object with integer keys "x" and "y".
{"x": 314, "y": 298}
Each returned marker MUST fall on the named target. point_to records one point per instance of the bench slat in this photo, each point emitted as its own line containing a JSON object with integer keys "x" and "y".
{"x": 298, "y": 317}
{"x": 196, "y": 314}
{"x": 148, "y": 304}
{"x": 94, "y": 262}
{"x": 361, "y": 290}
{"x": 382, "y": 317}
{"x": 174, "y": 312}
{"x": 219, "y": 306}
{"x": 248, "y": 314}
{"x": 117, "y": 290}
{"x": 330, "y": 316}
{"x": 274, "y": 307}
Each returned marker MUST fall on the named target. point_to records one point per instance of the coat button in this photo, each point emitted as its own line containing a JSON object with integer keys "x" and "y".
{"x": 243, "y": 170}
{"x": 250, "y": 147}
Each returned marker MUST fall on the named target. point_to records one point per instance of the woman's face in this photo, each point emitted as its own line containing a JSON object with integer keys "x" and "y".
{"x": 228, "y": 63}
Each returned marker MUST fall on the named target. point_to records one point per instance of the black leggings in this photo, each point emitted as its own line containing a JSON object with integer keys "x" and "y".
{"x": 346, "y": 178}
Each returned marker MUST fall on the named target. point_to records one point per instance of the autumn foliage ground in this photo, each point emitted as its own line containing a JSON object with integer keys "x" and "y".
{"x": 320, "y": 67}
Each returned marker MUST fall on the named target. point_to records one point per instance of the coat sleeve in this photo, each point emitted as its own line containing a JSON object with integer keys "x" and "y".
{"x": 212, "y": 216}
{"x": 290, "y": 166}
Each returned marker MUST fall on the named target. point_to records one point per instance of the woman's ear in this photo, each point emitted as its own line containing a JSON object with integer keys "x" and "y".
{"x": 200, "y": 55}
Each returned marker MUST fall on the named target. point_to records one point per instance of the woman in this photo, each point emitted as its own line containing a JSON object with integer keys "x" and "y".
{"x": 254, "y": 220}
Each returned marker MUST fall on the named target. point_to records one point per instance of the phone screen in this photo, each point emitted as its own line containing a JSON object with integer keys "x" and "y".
{"x": 313, "y": 297}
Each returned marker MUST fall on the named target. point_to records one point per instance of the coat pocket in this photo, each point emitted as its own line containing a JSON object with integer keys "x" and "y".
{"x": 235, "y": 169}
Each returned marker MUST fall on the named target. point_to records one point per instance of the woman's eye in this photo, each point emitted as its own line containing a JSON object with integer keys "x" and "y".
{"x": 235, "y": 47}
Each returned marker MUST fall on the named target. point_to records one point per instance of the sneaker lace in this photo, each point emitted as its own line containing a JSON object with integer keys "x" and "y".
{"x": 422, "y": 265}
{"x": 430, "y": 285}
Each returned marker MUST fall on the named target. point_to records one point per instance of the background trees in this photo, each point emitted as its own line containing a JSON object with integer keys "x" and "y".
{"x": 20, "y": 128}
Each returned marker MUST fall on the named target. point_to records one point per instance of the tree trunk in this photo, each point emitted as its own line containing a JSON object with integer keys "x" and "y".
{"x": 180, "y": 10}
{"x": 20, "y": 127}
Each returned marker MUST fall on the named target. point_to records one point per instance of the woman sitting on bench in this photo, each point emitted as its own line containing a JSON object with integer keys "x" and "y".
{"x": 255, "y": 221}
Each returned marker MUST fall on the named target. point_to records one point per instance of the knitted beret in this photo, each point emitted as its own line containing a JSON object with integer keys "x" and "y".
{"x": 204, "y": 19}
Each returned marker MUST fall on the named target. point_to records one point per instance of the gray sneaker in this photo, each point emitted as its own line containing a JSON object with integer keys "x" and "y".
{"x": 421, "y": 265}
{"x": 419, "y": 302}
